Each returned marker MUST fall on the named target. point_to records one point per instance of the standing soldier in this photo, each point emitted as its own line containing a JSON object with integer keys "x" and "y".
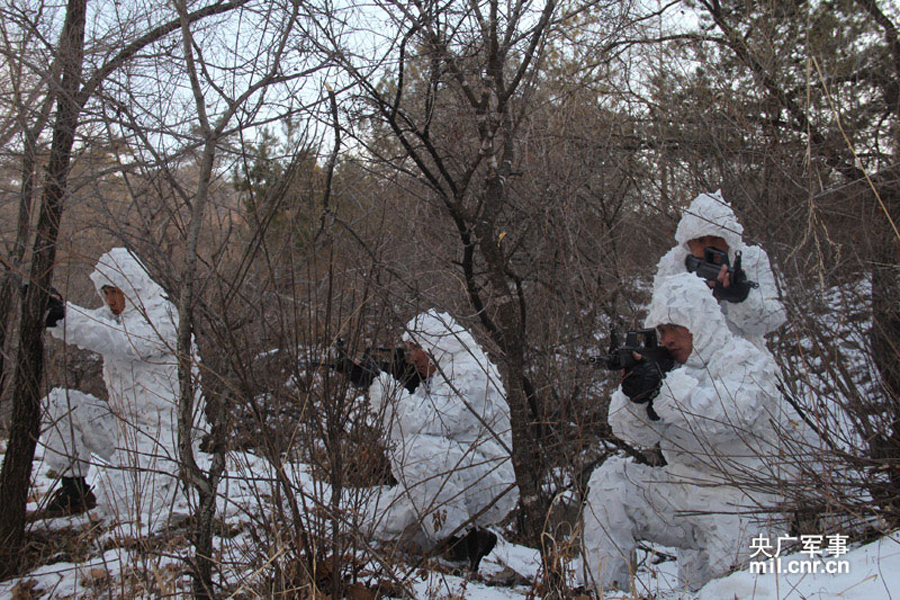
{"x": 136, "y": 432}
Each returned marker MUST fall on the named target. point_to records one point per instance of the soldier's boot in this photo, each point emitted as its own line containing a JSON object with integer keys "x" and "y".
{"x": 73, "y": 497}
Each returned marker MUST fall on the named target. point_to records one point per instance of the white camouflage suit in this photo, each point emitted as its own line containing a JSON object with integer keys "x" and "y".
{"x": 715, "y": 429}
{"x": 136, "y": 433}
{"x": 446, "y": 440}
{"x": 762, "y": 311}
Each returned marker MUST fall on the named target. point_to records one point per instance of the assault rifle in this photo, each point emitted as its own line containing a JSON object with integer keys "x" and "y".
{"x": 643, "y": 377}
{"x": 642, "y": 341}
{"x": 362, "y": 371}
{"x": 709, "y": 267}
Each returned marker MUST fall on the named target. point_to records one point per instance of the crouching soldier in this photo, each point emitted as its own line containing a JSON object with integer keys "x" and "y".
{"x": 448, "y": 445}
{"x": 712, "y": 417}
{"x": 750, "y": 303}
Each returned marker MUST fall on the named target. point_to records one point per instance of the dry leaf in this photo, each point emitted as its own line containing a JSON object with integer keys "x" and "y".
{"x": 26, "y": 590}
{"x": 358, "y": 591}
{"x": 94, "y": 576}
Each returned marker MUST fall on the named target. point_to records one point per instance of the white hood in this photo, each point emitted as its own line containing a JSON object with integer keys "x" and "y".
{"x": 710, "y": 214}
{"x": 122, "y": 269}
{"x": 762, "y": 311}
{"x": 449, "y": 344}
{"x": 685, "y": 299}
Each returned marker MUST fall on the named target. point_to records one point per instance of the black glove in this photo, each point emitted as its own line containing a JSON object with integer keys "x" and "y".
{"x": 642, "y": 382}
{"x": 736, "y": 292}
{"x": 738, "y": 288}
{"x": 57, "y": 311}
{"x": 363, "y": 372}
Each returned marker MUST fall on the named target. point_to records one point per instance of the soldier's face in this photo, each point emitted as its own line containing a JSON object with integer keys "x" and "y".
{"x": 419, "y": 358}
{"x": 697, "y": 245}
{"x": 678, "y": 340}
{"x": 115, "y": 299}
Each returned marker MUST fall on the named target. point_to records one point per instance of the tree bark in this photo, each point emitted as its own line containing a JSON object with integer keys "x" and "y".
{"x": 15, "y": 475}
{"x": 12, "y": 265}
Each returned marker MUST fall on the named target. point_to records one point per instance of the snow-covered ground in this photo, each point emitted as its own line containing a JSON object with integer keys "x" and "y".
{"x": 868, "y": 572}
{"x": 83, "y": 557}
{"x": 872, "y": 572}
{"x": 86, "y": 558}
{"x": 97, "y": 562}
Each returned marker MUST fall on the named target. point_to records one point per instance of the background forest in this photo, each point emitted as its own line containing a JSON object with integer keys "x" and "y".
{"x": 295, "y": 172}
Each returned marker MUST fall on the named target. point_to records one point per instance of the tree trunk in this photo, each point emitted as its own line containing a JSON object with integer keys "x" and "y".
{"x": 511, "y": 328}
{"x": 15, "y": 476}
{"x": 9, "y": 282}
{"x": 190, "y": 471}
{"x": 525, "y": 456}
{"x": 205, "y": 484}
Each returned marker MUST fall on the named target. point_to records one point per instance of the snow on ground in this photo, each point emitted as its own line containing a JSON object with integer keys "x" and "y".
{"x": 873, "y": 570}
{"x": 111, "y": 571}
{"x": 97, "y": 561}
{"x": 505, "y": 558}
{"x": 87, "y": 558}
{"x": 869, "y": 572}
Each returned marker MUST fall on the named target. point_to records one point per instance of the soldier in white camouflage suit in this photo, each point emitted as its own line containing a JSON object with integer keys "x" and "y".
{"x": 136, "y": 431}
{"x": 750, "y": 313}
{"x": 714, "y": 428}
{"x": 448, "y": 444}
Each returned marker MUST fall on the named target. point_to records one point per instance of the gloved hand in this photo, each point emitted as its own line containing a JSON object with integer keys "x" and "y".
{"x": 57, "y": 311}
{"x": 738, "y": 285}
{"x": 642, "y": 381}
{"x": 737, "y": 291}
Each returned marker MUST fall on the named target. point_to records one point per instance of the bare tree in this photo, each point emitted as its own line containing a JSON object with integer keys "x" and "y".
{"x": 74, "y": 93}
{"x": 459, "y": 84}
{"x": 26, "y": 416}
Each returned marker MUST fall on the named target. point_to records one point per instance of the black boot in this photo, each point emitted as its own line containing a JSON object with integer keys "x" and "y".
{"x": 478, "y": 544}
{"x": 72, "y": 498}
{"x": 455, "y": 549}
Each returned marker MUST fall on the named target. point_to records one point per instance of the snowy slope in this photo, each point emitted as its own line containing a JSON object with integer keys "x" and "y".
{"x": 872, "y": 573}
{"x": 873, "y": 569}
{"x": 86, "y": 558}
